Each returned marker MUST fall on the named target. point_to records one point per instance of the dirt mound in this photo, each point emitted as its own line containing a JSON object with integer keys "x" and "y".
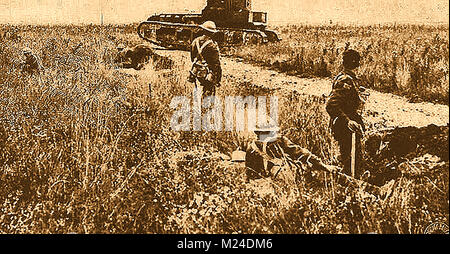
{"x": 408, "y": 151}
{"x": 138, "y": 56}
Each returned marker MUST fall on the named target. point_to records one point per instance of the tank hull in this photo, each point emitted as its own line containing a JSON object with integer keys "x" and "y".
{"x": 236, "y": 23}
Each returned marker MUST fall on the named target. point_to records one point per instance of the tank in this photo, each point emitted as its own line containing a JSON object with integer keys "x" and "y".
{"x": 236, "y": 23}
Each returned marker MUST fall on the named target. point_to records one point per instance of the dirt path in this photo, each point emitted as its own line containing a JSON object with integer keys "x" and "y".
{"x": 382, "y": 110}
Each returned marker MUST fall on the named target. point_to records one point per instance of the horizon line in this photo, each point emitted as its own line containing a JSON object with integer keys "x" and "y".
{"x": 269, "y": 23}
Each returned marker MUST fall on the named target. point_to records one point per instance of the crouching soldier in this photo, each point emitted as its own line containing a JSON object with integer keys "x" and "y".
{"x": 32, "y": 63}
{"x": 275, "y": 156}
{"x": 206, "y": 67}
{"x": 344, "y": 106}
{"x": 135, "y": 57}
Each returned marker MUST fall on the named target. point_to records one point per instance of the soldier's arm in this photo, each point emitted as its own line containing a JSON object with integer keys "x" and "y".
{"x": 293, "y": 150}
{"x": 193, "y": 51}
{"x": 337, "y": 100}
{"x": 301, "y": 154}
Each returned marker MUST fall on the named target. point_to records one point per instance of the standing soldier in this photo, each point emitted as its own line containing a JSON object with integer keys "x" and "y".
{"x": 32, "y": 63}
{"x": 343, "y": 107}
{"x": 205, "y": 57}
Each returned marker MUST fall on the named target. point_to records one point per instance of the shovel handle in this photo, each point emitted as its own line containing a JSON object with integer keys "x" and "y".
{"x": 353, "y": 159}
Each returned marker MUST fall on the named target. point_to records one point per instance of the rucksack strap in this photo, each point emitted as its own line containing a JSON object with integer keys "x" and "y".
{"x": 200, "y": 49}
{"x": 342, "y": 75}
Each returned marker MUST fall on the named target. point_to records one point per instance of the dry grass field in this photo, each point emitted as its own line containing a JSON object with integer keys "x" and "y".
{"x": 408, "y": 60}
{"x": 85, "y": 147}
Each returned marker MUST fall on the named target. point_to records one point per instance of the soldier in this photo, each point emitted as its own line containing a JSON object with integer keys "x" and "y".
{"x": 135, "y": 57}
{"x": 275, "y": 156}
{"x": 32, "y": 63}
{"x": 343, "y": 107}
{"x": 123, "y": 57}
{"x": 205, "y": 57}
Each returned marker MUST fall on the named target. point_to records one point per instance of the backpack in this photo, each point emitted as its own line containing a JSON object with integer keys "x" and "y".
{"x": 200, "y": 67}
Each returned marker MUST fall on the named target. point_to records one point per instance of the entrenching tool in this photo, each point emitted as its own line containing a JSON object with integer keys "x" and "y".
{"x": 353, "y": 154}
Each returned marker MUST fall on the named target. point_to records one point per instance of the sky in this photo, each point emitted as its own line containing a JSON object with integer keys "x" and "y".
{"x": 279, "y": 11}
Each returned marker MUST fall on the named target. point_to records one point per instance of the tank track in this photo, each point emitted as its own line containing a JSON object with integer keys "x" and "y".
{"x": 179, "y": 35}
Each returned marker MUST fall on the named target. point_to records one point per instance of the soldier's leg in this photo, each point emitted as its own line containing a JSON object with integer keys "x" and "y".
{"x": 254, "y": 164}
{"x": 343, "y": 136}
{"x": 209, "y": 89}
{"x": 345, "y": 147}
{"x": 359, "y": 158}
{"x": 285, "y": 174}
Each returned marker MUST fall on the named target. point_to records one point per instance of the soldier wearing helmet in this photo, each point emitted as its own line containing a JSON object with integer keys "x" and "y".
{"x": 273, "y": 155}
{"x": 344, "y": 106}
{"x": 31, "y": 63}
{"x": 205, "y": 56}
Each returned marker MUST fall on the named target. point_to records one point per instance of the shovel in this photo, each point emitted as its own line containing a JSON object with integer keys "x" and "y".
{"x": 353, "y": 159}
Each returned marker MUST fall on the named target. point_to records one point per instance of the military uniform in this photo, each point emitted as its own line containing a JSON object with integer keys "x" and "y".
{"x": 32, "y": 63}
{"x": 135, "y": 57}
{"x": 279, "y": 159}
{"x": 344, "y": 105}
{"x": 123, "y": 58}
{"x": 207, "y": 49}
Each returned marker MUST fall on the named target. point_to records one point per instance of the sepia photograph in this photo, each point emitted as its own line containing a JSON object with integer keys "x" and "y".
{"x": 224, "y": 117}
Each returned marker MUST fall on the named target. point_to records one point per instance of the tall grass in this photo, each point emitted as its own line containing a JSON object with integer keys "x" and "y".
{"x": 408, "y": 60}
{"x": 85, "y": 149}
